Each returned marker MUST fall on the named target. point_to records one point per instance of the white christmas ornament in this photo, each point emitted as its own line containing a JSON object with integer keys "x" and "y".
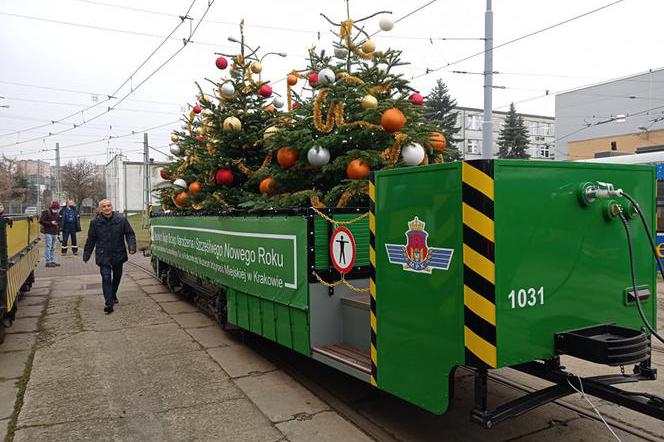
{"x": 326, "y": 76}
{"x": 227, "y": 89}
{"x": 340, "y": 52}
{"x": 180, "y": 183}
{"x": 386, "y": 24}
{"x": 318, "y": 156}
{"x": 176, "y": 150}
{"x": 412, "y": 154}
{"x": 278, "y": 102}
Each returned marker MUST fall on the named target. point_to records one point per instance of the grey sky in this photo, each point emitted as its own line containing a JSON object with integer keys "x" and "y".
{"x": 621, "y": 40}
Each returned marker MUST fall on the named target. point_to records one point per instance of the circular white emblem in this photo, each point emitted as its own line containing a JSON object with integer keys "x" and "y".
{"x": 342, "y": 250}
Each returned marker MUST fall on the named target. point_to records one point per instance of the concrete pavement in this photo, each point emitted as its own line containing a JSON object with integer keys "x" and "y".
{"x": 155, "y": 369}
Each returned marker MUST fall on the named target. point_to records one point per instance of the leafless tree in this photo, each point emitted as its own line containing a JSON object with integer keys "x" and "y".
{"x": 13, "y": 186}
{"x": 78, "y": 180}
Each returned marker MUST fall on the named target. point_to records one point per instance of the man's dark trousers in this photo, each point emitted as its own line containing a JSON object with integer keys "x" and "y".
{"x": 67, "y": 231}
{"x": 110, "y": 281}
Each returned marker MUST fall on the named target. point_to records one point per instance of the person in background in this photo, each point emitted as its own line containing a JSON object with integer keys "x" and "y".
{"x": 106, "y": 235}
{"x": 70, "y": 223}
{"x": 9, "y": 221}
{"x": 50, "y": 223}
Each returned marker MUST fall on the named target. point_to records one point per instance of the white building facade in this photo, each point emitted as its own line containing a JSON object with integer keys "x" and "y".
{"x": 540, "y": 128}
{"x": 125, "y": 186}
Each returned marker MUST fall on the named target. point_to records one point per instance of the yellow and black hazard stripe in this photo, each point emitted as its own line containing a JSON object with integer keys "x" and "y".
{"x": 372, "y": 279}
{"x": 479, "y": 290}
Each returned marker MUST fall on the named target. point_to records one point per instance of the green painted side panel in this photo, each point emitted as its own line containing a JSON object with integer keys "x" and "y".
{"x": 255, "y": 322}
{"x": 300, "y": 321}
{"x": 546, "y": 239}
{"x": 262, "y": 261}
{"x": 360, "y": 231}
{"x": 269, "y": 320}
{"x": 419, "y": 316}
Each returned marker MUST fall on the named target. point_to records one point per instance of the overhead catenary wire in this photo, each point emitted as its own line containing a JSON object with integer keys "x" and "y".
{"x": 129, "y": 78}
{"x": 134, "y": 89}
{"x": 522, "y": 37}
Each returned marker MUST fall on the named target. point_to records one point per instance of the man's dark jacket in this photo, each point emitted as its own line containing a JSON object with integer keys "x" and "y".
{"x": 71, "y": 226}
{"x": 46, "y": 220}
{"x": 107, "y": 237}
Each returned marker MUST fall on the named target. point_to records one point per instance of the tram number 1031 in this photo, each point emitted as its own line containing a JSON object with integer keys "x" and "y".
{"x": 526, "y": 297}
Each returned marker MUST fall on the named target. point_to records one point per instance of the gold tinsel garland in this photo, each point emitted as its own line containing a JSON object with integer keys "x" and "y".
{"x": 348, "y": 194}
{"x": 391, "y": 155}
{"x": 316, "y": 202}
{"x": 248, "y": 172}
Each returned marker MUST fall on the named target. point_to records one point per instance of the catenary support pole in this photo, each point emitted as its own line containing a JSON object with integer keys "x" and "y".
{"x": 58, "y": 174}
{"x": 487, "y": 123}
{"x": 146, "y": 176}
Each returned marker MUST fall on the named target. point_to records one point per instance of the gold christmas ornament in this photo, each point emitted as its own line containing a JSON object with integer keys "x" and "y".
{"x": 232, "y": 123}
{"x": 174, "y": 138}
{"x": 256, "y": 67}
{"x": 270, "y": 131}
{"x": 369, "y": 102}
{"x": 368, "y": 46}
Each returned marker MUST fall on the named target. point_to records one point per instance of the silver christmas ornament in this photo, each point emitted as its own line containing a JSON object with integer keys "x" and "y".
{"x": 412, "y": 154}
{"x": 176, "y": 150}
{"x": 318, "y": 156}
{"x": 326, "y": 76}
{"x": 340, "y": 52}
{"x": 386, "y": 24}
{"x": 227, "y": 89}
{"x": 278, "y": 102}
{"x": 180, "y": 183}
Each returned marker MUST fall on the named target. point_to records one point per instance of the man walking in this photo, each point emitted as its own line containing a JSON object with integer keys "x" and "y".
{"x": 50, "y": 226}
{"x": 107, "y": 234}
{"x": 70, "y": 223}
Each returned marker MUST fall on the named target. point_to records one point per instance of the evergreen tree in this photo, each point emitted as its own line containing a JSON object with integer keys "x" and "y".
{"x": 220, "y": 147}
{"x": 440, "y": 109}
{"x": 513, "y": 139}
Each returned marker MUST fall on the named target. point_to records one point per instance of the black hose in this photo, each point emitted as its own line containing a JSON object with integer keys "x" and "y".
{"x": 653, "y": 246}
{"x": 633, "y": 274}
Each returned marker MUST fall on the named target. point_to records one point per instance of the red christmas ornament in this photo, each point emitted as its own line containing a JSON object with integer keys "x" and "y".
{"x": 265, "y": 90}
{"x": 221, "y": 63}
{"x": 270, "y": 108}
{"x": 296, "y": 105}
{"x": 197, "y": 109}
{"x": 224, "y": 177}
{"x": 313, "y": 79}
{"x": 164, "y": 174}
{"x": 417, "y": 99}
{"x": 200, "y": 137}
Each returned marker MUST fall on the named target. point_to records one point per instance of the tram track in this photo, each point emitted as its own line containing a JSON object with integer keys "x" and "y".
{"x": 616, "y": 424}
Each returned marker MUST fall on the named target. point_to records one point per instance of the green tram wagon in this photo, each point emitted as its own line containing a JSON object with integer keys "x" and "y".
{"x": 484, "y": 264}
{"x": 19, "y": 255}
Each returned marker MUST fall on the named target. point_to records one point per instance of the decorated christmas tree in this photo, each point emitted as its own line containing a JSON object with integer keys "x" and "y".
{"x": 348, "y": 114}
{"x": 220, "y": 148}
{"x": 360, "y": 116}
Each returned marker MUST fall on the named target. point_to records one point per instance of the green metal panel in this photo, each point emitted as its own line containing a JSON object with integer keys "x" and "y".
{"x": 360, "y": 231}
{"x": 269, "y": 320}
{"x": 419, "y": 315}
{"x": 546, "y": 240}
{"x": 263, "y": 294}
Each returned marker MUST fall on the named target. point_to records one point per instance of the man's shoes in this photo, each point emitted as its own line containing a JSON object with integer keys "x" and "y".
{"x": 108, "y": 309}
{"x": 55, "y": 264}
{"x": 50, "y": 264}
{"x": 74, "y": 253}
{"x": 115, "y": 301}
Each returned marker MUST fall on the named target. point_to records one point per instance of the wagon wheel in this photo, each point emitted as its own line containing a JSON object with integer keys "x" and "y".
{"x": 221, "y": 309}
{"x": 173, "y": 280}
